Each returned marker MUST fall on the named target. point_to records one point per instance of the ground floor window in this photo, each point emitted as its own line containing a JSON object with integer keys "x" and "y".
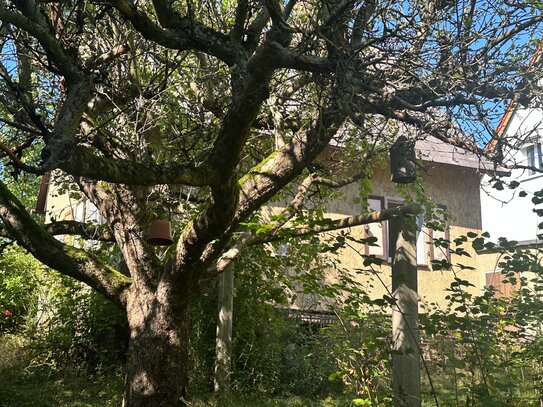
{"x": 503, "y": 285}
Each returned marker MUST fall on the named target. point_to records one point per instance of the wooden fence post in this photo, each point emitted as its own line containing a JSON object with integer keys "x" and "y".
{"x": 223, "y": 348}
{"x": 405, "y": 332}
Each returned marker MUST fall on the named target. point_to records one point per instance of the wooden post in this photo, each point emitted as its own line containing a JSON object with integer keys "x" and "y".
{"x": 223, "y": 347}
{"x": 405, "y": 332}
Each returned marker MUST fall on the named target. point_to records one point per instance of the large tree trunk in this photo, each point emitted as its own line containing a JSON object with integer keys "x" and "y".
{"x": 157, "y": 368}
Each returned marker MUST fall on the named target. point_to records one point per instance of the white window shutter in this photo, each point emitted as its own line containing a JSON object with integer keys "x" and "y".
{"x": 440, "y": 253}
{"x": 422, "y": 242}
{"x": 376, "y": 230}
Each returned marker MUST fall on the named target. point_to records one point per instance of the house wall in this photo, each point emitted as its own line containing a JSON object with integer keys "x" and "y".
{"x": 455, "y": 187}
{"x": 64, "y": 204}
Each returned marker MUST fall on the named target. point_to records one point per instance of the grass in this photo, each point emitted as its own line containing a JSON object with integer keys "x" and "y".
{"x": 233, "y": 400}
{"x": 24, "y": 385}
{"x": 37, "y": 390}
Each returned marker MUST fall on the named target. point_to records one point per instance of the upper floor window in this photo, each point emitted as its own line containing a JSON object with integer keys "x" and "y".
{"x": 385, "y": 233}
{"x": 534, "y": 157}
{"x": 86, "y": 211}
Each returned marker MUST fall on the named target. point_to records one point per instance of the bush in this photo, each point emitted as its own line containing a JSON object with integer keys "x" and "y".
{"x": 68, "y": 325}
{"x": 20, "y": 282}
{"x": 80, "y": 330}
{"x": 272, "y": 354}
{"x": 485, "y": 350}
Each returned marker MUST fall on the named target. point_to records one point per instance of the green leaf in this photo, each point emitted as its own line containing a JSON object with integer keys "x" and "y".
{"x": 478, "y": 244}
{"x": 498, "y": 185}
{"x": 362, "y": 402}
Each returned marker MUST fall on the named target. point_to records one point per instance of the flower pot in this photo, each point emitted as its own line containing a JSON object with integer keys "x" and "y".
{"x": 160, "y": 233}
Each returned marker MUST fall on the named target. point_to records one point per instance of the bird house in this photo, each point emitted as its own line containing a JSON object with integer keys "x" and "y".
{"x": 403, "y": 161}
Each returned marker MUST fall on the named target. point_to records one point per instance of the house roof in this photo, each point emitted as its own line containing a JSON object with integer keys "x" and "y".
{"x": 433, "y": 150}
{"x": 512, "y": 106}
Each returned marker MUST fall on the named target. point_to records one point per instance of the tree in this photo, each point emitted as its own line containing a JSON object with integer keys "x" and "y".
{"x": 205, "y": 111}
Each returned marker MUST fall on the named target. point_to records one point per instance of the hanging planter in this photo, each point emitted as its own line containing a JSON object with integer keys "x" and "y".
{"x": 160, "y": 233}
{"x": 403, "y": 161}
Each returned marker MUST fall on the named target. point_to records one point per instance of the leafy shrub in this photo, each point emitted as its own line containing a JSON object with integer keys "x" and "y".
{"x": 361, "y": 343}
{"x": 81, "y": 330}
{"x": 20, "y": 281}
{"x": 272, "y": 353}
{"x": 485, "y": 350}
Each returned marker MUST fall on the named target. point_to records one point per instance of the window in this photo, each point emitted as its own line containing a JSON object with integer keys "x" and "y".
{"x": 502, "y": 284}
{"x": 376, "y": 230}
{"x": 534, "y": 157}
{"x": 385, "y": 246}
{"x": 86, "y": 211}
{"x": 439, "y": 253}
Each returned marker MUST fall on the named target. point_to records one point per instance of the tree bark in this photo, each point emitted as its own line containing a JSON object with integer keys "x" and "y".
{"x": 223, "y": 362}
{"x": 157, "y": 367}
{"x": 405, "y": 332}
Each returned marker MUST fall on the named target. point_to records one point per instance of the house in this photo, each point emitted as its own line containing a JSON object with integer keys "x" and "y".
{"x": 450, "y": 178}
{"x": 59, "y": 200}
{"x": 508, "y": 210}
{"x": 523, "y": 130}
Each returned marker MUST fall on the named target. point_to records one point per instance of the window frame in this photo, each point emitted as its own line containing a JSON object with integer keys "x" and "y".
{"x": 383, "y": 255}
{"x": 534, "y": 157}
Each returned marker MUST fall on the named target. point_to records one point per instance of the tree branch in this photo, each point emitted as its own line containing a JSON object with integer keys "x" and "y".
{"x": 182, "y": 33}
{"x": 62, "y": 142}
{"x": 35, "y": 24}
{"x": 284, "y": 165}
{"x": 328, "y": 225}
{"x": 22, "y": 127}
{"x": 254, "y": 31}
{"x": 86, "y": 230}
{"x": 83, "y": 163}
{"x": 496, "y": 41}
{"x": 250, "y": 90}
{"x": 239, "y": 22}
{"x": 16, "y": 162}
{"x": 103, "y": 59}
{"x": 339, "y": 184}
{"x": 66, "y": 259}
